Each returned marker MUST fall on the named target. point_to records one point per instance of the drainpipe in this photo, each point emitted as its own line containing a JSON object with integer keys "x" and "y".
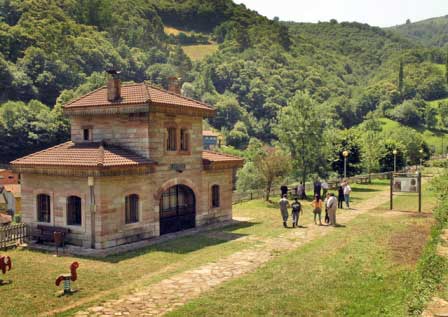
{"x": 91, "y": 183}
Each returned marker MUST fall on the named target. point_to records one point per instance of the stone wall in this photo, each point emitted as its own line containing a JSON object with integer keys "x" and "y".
{"x": 110, "y": 193}
{"x": 128, "y": 131}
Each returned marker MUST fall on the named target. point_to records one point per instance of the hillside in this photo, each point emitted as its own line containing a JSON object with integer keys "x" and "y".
{"x": 245, "y": 65}
{"x": 431, "y": 32}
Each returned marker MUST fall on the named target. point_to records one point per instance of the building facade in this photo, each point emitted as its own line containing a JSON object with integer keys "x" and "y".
{"x": 134, "y": 169}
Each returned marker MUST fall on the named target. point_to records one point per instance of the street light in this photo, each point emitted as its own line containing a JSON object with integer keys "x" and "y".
{"x": 421, "y": 158}
{"x": 345, "y": 154}
{"x": 395, "y": 152}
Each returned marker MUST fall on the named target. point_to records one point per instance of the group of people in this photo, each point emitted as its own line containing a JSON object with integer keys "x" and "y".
{"x": 330, "y": 203}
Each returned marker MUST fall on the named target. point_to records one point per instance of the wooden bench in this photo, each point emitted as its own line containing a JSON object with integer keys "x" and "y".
{"x": 46, "y": 233}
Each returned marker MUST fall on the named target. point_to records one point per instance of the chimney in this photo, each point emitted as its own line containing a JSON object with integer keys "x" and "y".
{"x": 174, "y": 85}
{"x": 113, "y": 85}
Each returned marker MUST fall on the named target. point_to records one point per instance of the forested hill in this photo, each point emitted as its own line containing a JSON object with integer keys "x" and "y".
{"x": 430, "y": 32}
{"x": 54, "y": 50}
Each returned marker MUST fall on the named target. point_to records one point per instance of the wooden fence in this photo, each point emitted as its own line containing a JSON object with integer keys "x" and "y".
{"x": 13, "y": 235}
{"x": 275, "y": 192}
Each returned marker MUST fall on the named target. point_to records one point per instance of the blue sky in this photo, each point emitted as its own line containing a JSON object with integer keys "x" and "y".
{"x": 374, "y": 12}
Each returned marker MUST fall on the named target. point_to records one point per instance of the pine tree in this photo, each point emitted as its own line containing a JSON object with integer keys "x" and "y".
{"x": 401, "y": 77}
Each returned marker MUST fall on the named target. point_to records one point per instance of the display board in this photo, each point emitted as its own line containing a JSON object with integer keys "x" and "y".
{"x": 406, "y": 184}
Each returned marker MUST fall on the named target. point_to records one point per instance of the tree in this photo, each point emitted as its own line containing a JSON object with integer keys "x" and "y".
{"x": 401, "y": 77}
{"x": 271, "y": 165}
{"x": 301, "y": 129}
{"x": 430, "y": 117}
{"x": 372, "y": 148}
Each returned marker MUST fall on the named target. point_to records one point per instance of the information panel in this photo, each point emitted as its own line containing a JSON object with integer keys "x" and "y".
{"x": 406, "y": 184}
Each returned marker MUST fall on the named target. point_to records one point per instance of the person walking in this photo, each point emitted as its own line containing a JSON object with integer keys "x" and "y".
{"x": 332, "y": 207}
{"x": 284, "y": 204}
{"x": 283, "y": 190}
{"x": 325, "y": 188}
{"x": 301, "y": 191}
{"x": 327, "y": 218}
{"x": 341, "y": 197}
{"x": 317, "y": 188}
{"x": 296, "y": 210}
{"x": 317, "y": 209}
{"x": 347, "y": 191}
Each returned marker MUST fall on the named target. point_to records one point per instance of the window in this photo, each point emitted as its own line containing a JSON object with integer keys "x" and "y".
{"x": 171, "y": 144}
{"x": 86, "y": 134}
{"x": 215, "y": 196}
{"x": 74, "y": 211}
{"x": 43, "y": 208}
{"x": 131, "y": 203}
{"x": 183, "y": 140}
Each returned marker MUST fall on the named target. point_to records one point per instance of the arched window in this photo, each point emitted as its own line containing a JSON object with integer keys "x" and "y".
{"x": 215, "y": 196}
{"x": 131, "y": 211}
{"x": 171, "y": 142}
{"x": 43, "y": 208}
{"x": 74, "y": 217}
{"x": 184, "y": 140}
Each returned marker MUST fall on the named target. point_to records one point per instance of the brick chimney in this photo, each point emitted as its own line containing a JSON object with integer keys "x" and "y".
{"x": 174, "y": 85}
{"x": 113, "y": 85}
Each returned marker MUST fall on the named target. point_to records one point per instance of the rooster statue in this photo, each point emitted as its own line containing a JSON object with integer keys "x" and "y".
{"x": 68, "y": 278}
{"x": 5, "y": 265}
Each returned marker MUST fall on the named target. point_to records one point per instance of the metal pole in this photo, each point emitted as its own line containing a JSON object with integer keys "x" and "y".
{"x": 391, "y": 191}
{"x": 345, "y": 167}
{"x": 395, "y": 163}
{"x": 419, "y": 182}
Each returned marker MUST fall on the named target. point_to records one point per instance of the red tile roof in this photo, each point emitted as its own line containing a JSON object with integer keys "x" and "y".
{"x": 210, "y": 158}
{"x": 83, "y": 155}
{"x": 133, "y": 94}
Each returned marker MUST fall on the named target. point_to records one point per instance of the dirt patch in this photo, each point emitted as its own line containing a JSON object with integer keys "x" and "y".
{"x": 407, "y": 246}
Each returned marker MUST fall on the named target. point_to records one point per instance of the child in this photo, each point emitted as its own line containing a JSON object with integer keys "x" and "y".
{"x": 327, "y": 217}
{"x": 296, "y": 209}
{"x": 317, "y": 205}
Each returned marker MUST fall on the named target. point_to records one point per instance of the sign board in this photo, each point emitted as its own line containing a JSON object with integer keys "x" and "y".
{"x": 405, "y": 184}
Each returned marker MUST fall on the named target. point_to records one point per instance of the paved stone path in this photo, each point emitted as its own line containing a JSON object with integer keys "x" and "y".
{"x": 167, "y": 295}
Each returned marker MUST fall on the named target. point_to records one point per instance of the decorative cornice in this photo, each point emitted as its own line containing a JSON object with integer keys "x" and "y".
{"x": 84, "y": 171}
{"x": 107, "y": 110}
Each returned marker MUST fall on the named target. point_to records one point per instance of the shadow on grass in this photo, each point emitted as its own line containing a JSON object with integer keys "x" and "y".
{"x": 178, "y": 243}
{"x": 366, "y": 190}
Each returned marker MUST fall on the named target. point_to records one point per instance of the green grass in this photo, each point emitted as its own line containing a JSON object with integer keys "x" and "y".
{"x": 199, "y": 52}
{"x": 33, "y": 291}
{"x": 432, "y": 137}
{"x": 350, "y": 272}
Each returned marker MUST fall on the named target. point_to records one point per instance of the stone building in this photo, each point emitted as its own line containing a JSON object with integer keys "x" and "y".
{"x": 134, "y": 169}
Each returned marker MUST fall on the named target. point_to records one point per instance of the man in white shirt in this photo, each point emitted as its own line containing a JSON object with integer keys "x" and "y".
{"x": 325, "y": 188}
{"x": 332, "y": 206}
{"x": 347, "y": 191}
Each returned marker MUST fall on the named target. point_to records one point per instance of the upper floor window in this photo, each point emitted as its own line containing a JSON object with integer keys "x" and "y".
{"x": 74, "y": 211}
{"x": 43, "y": 208}
{"x": 215, "y": 196}
{"x": 184, "y": 140}
{"x": 87, "y": 134}
{"x": 171, "y": 144}
{"x": 131, "y": 209}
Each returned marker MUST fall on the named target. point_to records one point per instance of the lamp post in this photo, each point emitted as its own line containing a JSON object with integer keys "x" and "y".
{"x": 395, "y": 152}
{"x": 421, "y": 158}
{"x": 345, "y": 154}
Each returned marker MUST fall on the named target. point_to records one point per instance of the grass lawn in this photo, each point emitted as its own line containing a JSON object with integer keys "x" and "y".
{"x": 432, "y": 137}
{"x": 33, "y": 292}
{"x": 359, "y": 270}
{"x": 199, "y": 52}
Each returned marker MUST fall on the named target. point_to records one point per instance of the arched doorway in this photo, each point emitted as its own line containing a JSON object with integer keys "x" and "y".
{"x": 177, "y": 209}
